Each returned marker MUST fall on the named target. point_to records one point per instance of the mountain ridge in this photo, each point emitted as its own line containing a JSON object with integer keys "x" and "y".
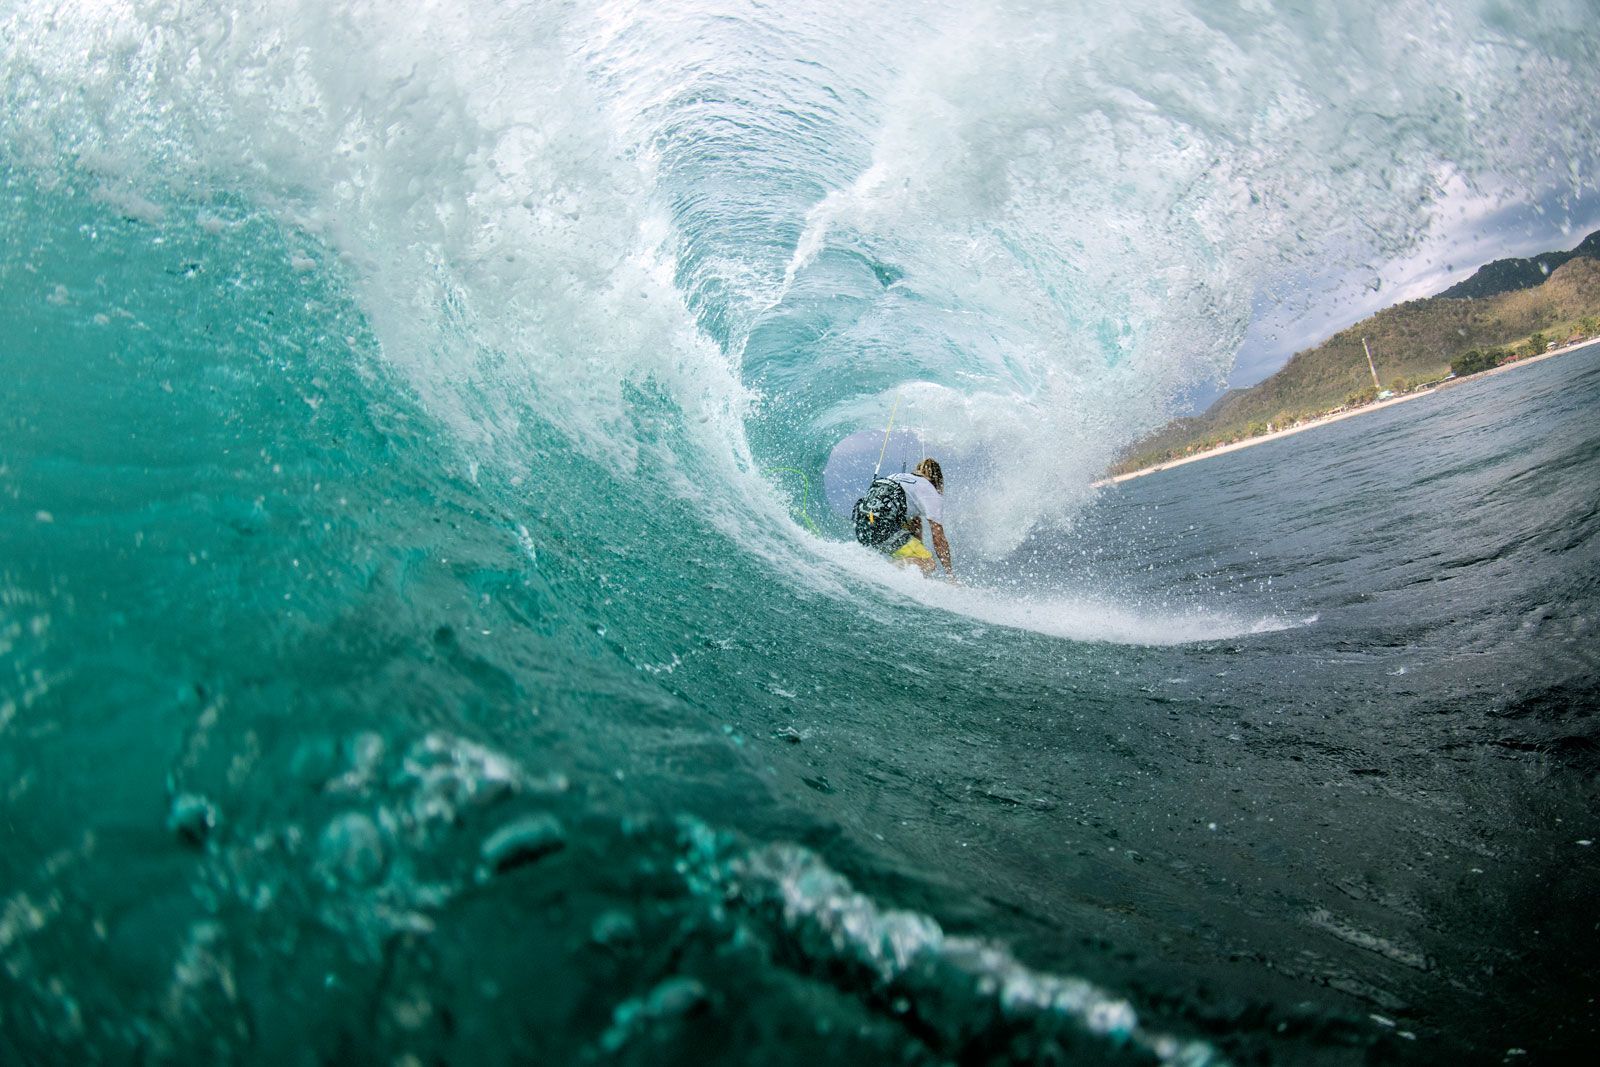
{"x": 1508, "y": 275}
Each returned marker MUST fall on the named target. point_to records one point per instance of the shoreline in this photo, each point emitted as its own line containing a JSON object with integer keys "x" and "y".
{"x": 1323, "y": 420}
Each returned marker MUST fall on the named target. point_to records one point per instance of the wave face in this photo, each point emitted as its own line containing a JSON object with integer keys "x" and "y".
{"x": 403, "y": 611}
{"x": 1035, "y": 226}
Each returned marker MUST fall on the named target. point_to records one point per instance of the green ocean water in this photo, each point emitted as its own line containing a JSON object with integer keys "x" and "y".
{"x": 262, "y": 641}
{"x": 424, "y": 636}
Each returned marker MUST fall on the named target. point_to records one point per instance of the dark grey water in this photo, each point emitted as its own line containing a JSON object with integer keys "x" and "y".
{"x": 1394, "y": 803}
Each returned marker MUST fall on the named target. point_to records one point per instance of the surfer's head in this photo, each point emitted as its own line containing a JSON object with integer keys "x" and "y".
{"x": 929, "y": 469}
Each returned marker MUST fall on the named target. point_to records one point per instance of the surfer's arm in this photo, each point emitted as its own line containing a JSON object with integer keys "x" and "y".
{"x": 941, "y": 547}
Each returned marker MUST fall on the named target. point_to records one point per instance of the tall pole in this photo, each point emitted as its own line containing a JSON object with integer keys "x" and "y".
{"x": 1373, "y": 367}
{"x": 886, "y": 431}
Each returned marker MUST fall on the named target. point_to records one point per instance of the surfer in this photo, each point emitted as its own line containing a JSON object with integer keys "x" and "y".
{"x": 924, "y": 489}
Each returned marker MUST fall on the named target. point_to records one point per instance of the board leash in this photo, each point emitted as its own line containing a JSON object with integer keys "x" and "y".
{"x": 804, "y": 513}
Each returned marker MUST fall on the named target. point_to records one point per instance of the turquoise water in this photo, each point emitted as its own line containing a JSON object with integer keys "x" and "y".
{"x": 421, "y": 634}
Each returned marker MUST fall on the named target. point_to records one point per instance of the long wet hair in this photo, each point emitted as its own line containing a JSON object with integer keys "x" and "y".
{"x": 929, "y": 469}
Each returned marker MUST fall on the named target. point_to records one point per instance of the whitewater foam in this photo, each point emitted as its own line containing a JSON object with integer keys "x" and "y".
{"x": 1033, "y": 226}
{"x": 883, "y": 588}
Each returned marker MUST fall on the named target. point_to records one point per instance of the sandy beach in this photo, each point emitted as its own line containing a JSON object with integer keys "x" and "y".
{"x": 1249, "y": 442}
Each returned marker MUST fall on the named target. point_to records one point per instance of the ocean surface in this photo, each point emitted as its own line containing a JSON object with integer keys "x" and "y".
{"x": 423, "y": 637}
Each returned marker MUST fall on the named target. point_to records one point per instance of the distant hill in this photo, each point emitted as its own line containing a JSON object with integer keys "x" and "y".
{"x": 1509, "y": 275}
{"x": 1412, "y": 344}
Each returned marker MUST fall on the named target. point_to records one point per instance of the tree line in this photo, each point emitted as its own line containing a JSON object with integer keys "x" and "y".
{"x": 1477, "y": 360}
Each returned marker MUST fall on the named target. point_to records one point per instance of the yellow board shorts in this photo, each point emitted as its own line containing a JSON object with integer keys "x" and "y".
{"x": 912, "y": 549}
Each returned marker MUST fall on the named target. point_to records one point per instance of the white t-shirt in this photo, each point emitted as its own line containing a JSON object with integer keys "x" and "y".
{"x": 923, "y": 501}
